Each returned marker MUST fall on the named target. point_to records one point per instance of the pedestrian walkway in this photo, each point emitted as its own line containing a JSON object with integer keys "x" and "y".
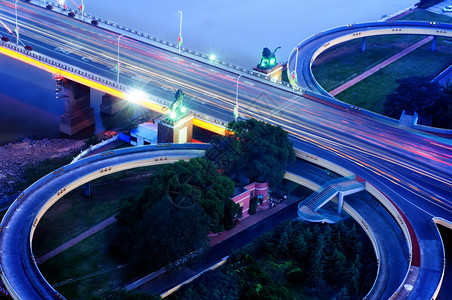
{"x": 379, "y": 67}
{"x": 77, "y": 239}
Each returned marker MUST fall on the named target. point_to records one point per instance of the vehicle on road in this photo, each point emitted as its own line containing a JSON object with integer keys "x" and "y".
{"x": 447, "y": 8}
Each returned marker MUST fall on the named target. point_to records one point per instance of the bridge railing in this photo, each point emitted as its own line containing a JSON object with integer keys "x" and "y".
{"x": 174, "y": 47}
{"x": 102, "y": 80}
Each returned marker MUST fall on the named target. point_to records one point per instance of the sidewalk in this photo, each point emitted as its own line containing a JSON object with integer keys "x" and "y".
{"x": 96, "y": 228}
{"x": 379, "y": 66}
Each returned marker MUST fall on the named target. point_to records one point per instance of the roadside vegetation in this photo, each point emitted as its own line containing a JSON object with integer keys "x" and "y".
{"x": 429, "y": 99}
{"x": 293, "y": 261}
{"x": 172, "y": 216}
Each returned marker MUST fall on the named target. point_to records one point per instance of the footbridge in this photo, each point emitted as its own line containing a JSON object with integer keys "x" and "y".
{"x": 341, "y": 187}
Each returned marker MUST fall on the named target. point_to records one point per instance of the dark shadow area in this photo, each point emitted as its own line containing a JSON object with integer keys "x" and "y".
{"x": 446, "y": 288}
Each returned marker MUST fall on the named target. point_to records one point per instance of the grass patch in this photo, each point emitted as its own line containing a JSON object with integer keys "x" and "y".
{"x": 344, "y": 62}
{"x": 87, "y": 269}
{"x": 425, "y": 15}
{"x": 371, "y": 92}
{"x": 75, "y": 213}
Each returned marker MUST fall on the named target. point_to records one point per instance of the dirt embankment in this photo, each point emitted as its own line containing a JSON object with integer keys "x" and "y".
{"x": 16, "y": 157}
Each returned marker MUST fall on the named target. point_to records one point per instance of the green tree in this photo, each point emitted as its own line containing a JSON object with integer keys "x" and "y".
{"x": 172, "y": 216}
{"x": 258, "y": 149}
{"x": 418, "y": 94}
{"x": 343, "y": 294}
{"x": 166, "y": 233}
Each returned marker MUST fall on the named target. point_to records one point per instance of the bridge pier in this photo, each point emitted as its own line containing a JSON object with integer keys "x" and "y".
{"x": 340, "y": 202}
{"x": 78, "y": 114}
{"x": 434, "y": 43}
{"x": 111, "y": 105}
{"x": 363, "y": 44}
{"x": 87, "y": 187}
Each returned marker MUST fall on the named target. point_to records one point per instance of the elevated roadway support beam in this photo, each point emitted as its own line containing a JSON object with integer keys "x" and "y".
{"x": 363, "y": 44}
{"x": 434, "y": 43}
{"x": 111, "y": 105}
{"x": 340, "y": 203}
{"x": 87, "y": 187}
{"x": 78, "y": 113}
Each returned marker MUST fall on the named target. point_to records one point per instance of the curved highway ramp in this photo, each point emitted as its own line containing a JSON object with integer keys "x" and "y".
{"x": 18, "y": 270}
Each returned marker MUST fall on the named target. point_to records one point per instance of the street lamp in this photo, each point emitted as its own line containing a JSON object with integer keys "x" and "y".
{"x": 82, "y": 9}
{"x": 17, "y": 28}
{"x": 294, "y": 78}
{"x": 236, "y": 108}
{"x": 179, "y": 39}
{"x": 117, "y": 76}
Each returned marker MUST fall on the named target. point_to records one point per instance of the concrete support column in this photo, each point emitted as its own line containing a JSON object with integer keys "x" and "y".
{"x": 87, "y": 189}
{"x": 363, "y": 44}
{"x": 340, "y": 203}
{"x": 434, "y": 43}
{"x": 111, "y": 105}
{"x": 78, "y": 114}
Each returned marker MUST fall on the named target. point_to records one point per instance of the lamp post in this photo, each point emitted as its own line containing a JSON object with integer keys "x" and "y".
{"x": 295, "y": 71}
{"x": 236, "y": 108}
{"x": 17, "y": 28}
{"x": 82, "y": 9}
{"x": 117, "y": 76}
{"x": 180, "y": 31}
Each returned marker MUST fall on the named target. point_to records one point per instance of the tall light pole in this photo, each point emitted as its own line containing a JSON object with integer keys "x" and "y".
{"x": 82, "y": 9}
{"x": 17, "y": 27}
{"x": 179, "y": 39}
{"x": 117, "y": 76}
{"x": 294, "y": 78}
{"x": 236, "y": 108}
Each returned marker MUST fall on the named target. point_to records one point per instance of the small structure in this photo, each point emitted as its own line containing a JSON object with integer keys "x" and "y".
{"x": 269, "y": 65}
{"x": 177, "y": 126}
{"x": 255, "y": 189}
{"x": 179, "y": 130}
{"x": 144, "y": 134}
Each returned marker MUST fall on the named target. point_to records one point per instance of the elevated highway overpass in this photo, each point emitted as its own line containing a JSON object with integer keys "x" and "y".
{"x": 19, "y": 271}
{"x": 413, "y": 169}
{"x": 304, "y": 54}
{"x": 23, "y": 279}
